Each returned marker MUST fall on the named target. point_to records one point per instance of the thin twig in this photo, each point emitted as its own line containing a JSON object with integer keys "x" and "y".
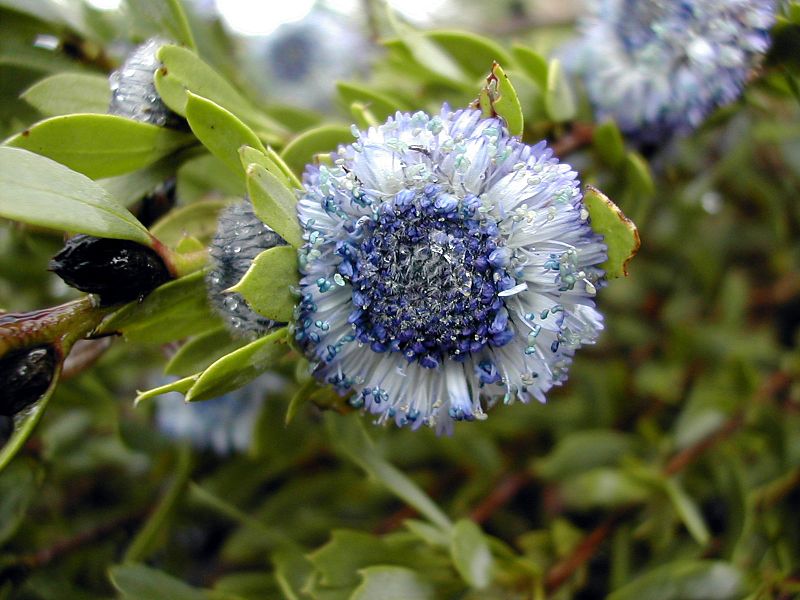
{"x": 504, "y": 492}
{"x": 580, "y": 135}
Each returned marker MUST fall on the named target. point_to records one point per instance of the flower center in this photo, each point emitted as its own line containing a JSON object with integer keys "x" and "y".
{"x": 426, "y": 278}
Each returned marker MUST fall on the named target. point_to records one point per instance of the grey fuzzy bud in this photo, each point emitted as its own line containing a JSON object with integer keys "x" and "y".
{"x": 133, "y": 92}
{"x": 240, "y": 237}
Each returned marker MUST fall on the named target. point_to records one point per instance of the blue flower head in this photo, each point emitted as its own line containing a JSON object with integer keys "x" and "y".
{"x": 446, "y": 265}
{"x": 659, "y": 67}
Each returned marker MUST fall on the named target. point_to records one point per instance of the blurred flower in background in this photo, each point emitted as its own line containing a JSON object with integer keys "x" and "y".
{"x": 658, "y": 68}
{"x": 223, "y": 425}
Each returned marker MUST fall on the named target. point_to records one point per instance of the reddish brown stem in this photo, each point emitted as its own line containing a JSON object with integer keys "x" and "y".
{"x": 504, "y": 492}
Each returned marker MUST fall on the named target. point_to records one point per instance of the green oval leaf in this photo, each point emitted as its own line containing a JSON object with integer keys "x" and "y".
{"x": 234, "y": 370}
{"x": 532, "y": 63}
{"x": 274, "y": 204}
{"x": 559, "y": 100}
{"x": 608, "y": 142}
{"x": 138, "y": 582}
{"x": 39, "y": 191}
{"x": 100, "y": 145}
{"x": 498, "y": 98}
{"x": 267, "y": 284}
{"x": 386, "y": 582}
{"x": 271, "y": 162}
{"x": 301, "y": 150}
{"x": 220, "y": 131}
{"x": 685, "y": 580}
{"x": 166, "y": 15}
{"x": 471, "y": 555}
{"x": 379, "y": 104}
{"x": 67, "y": 93}
{"x": 620, "y": 234}
{"x": 183, "y": 71}
{"x": 472, "y": 52}
{"x": 198, "y": 220}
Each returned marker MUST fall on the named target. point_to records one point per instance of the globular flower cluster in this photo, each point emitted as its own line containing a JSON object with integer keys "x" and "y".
{"x": 133, "y": 92}
{"x": 447, "y": 265}
{"x": 659, "y": 67}
{"x": 240, "y": 237}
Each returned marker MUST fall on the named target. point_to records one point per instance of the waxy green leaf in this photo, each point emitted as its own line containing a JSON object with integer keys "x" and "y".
{"x": 267, "y": 284}
{"x": 379, "y": 104}
{"x": 166, "y": 15}
{"x": 100, "y": 145}
{"x": 234, "y": 370}
{"x": 39, "y": 191}
{"x": 388, "y": 582}
{"x": 471, "y": 555}
{"x": 183, "y": 71}
{"x": 326, "y": 139}
{"x": 272, "y": 162}
{"x": 619, "y": 233}
{"x": 559, "y": 100}
{"x": 220, "y": 131}
{"x": 498, "y": 98}
{"x": 274, "y": 204}
{"x": 67, "y": 93}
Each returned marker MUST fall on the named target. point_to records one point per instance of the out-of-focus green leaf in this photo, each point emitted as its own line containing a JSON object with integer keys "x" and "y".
{"x": 559, "y": 100}
{"x": 379, "y": 104}
{"x": 39, "y": 191}
{"x": 239, "y": 367}
{"x": 198, "y": 220}
{"x": 184, "y": 71}
{"x": 688, "y": 511}
{"x": 325, "y": 139}
{"x": 66, "y": 93}
{"x": 385, "y": 582}
{"x": 639, "y": 176}
{"x": 100, "y": 145}
{"x": 603, "y": 487}
{"x": 166, "y": 15}
{"x": 220, "y": 131}
{"x": 349, "y": 438}
{"x": 609, "y": 144}
{"x": 347, "y": 551}
{"x": 292, "y": 572}
{"x": 138, "y": 582}
{"x": 274, "y": 204}
{"x": 619, "y": 233}
{"x": 17, "y": 490}
{"x": 267, "y": 284}
{"x": 583, "y": 450}
{"x": 533, "y": 64}
{"x": 471, "y": 555}
{"x": 153, "y": 534}
{"x": 473, "y": 53}
{"x": 685, "y": 580}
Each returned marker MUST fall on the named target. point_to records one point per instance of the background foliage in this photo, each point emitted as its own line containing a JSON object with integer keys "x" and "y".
{"x": 667, "y": 468}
